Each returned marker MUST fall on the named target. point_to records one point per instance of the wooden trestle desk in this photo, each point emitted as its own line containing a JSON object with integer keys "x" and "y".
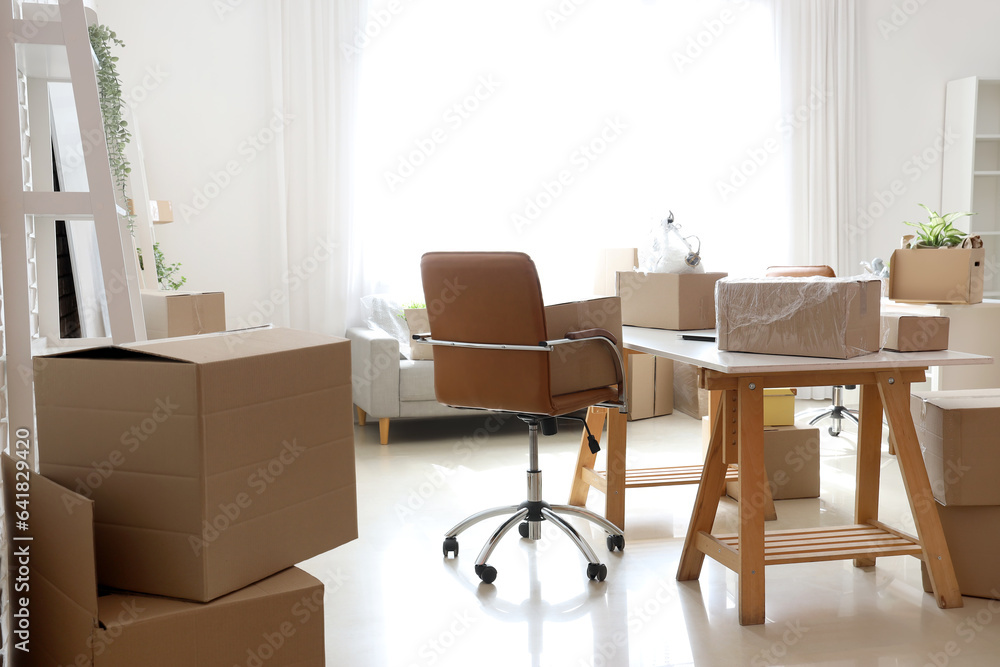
{"x": 736, "y": 381}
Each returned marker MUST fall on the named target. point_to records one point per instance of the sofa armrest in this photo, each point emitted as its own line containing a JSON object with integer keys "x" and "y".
{"x": 374, "y": 371}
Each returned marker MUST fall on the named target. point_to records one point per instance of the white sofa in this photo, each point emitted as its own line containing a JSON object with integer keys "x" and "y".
{"x": 389, "y": 386}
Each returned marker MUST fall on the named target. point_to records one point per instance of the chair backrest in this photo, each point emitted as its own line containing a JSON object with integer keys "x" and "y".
{"x": 487, "y": 297}
{"x": 821, "y": 270}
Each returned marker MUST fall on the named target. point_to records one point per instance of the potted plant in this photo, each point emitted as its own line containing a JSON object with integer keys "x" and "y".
{"x": 937, "y": 232}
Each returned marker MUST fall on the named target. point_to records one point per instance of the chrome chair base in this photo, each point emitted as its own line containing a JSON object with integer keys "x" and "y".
{"x": 528, "y": 516}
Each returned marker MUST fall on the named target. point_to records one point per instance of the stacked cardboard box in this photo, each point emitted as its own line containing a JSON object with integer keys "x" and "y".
{"x": 199, "y": 469}
{"x": 791, "y": 458}
{"x": 689, "y": 398}
{"x": 957, "y": 433}
{"x": 650, "y": 386}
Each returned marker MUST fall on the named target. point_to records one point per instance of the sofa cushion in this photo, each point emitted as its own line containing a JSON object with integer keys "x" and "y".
{"x": 416, "y": 380}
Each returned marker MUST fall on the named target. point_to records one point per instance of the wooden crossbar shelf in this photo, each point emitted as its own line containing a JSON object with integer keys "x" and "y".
{"x": 828, "y": 543}
{"x": 675, "y": 476}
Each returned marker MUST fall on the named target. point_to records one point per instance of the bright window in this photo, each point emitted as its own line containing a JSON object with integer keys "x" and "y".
{"x": 521, "y": 125}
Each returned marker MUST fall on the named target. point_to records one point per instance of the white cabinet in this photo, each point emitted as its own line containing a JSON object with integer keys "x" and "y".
{"x": 970, "y": 179}
{"x": 972, "y": 328}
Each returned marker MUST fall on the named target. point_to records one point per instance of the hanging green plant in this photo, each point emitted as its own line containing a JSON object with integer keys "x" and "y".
{"x": 109, "y": 87}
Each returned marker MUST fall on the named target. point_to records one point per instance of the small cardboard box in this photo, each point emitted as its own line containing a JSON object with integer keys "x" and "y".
{"x": 681, "y": 301}
{"x": 689, "y": 398}
{"x": 172, "y": 314}
{"x": 609, "y": 262}
{"x": 418, "y": 323}
{"x": 930, "y": 275}
{"x": 650, "y": 386}
{"x": 277, "y": 621}
{"x": 779, "y": 407}
{"x": 914, "y": 333}
{"x": 791, "y": 458}
{"x": 957, "y": 433}
{"x": 214, "y": 460}
{"x": 973, "y": 537}
{"x": 812, "y": 317}
{"x": 161, "y": 211}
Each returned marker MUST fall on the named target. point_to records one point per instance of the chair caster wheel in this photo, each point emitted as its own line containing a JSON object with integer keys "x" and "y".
{"x": 487, "y": 573}
{"x": 598, "y": 571}
{"x": 832, "y": 432}
{"x": 523, "y": 529}
{"x": 616, "y": 542}
{"x": 450, "y": 546}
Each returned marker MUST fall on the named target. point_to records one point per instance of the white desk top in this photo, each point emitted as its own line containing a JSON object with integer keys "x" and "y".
{"x": 668, "y": 343}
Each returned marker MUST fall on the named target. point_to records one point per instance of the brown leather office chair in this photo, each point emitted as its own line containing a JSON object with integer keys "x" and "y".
{"x": 493, "y": 351}
{"x": 837, "y": 412}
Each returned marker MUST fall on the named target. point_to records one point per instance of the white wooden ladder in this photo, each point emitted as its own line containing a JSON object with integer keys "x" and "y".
{"x": 52, "y": 42}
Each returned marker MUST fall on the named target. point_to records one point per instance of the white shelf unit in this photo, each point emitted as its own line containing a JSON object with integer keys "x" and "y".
{"x": 972, "y": 328}
{"x": 970, "y": 179}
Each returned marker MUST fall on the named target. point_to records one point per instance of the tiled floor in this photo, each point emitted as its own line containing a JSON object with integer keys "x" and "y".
{"x": 393, "y": 600}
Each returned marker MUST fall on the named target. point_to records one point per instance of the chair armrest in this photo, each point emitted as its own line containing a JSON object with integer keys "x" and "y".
{"x": 592, "y": 333}
{"x": 374, "y": 371}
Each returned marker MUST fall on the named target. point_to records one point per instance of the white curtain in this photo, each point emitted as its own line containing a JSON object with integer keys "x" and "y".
{"x": 817, "y": 42}
{"x": 559, "y": 129}
{"x": 315, "y": 83}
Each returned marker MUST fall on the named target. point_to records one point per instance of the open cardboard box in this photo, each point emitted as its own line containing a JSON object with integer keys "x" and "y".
{"x": 215, "y": 460}
{"x": 937, "y": 275}
{"x": 59, "y": 618}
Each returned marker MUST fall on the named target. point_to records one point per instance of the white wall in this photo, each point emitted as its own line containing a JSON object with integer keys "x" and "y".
{"x": 198, "y": 74}
{"x": 910, "y": 50}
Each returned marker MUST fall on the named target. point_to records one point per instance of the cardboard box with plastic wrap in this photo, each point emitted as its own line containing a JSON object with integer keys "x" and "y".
{"x": 836, "y": 318}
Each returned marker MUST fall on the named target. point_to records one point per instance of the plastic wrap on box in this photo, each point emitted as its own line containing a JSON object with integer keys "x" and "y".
{"x": 384, "y": 313}
{"x": 837, "y": 318}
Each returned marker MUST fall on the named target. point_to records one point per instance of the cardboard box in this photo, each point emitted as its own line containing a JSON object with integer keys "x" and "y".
{"x": 689, "y": 398}
{"x": 650, "y": 386}
{"x": 663, "y": 391}
{"x": 172, "y": 314}
{"x": 957, "y": 433}
{"x": 779, "y": 407}
{"x": 418, "y": 323}
{"x": 929, "y": 275}
{"x": 914, "y": 333}
{"x": 161, "y": 211}
{"x": 609, "y": 262}
{"x": 71, "y": 625}
{"x": 973, "y": 537}
{"x": 791, "y": 458}
{"x": 680, "y": 301}
{"x": 215, "y": 460}
{"x": 586, "y": 364}
{"x": 813, "y": 317}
